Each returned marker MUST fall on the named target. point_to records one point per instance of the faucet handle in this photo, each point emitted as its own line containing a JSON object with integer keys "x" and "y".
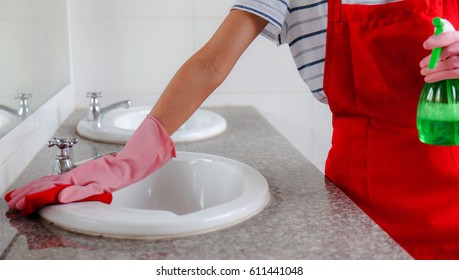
{"x": 23, "y": 96}
{"x": 94, "y": 94}
{"x": 63, "y": 162}
{"x": 62, "y": 143}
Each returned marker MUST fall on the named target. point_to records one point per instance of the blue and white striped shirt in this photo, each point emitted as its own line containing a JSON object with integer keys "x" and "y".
{"x": 302, "y": 25}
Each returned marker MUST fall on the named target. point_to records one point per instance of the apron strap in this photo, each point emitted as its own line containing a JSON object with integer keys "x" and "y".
{"x": 334, "y": 10}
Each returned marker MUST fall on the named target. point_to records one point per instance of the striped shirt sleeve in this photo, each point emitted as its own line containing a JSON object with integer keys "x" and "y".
{"x": 302, "y": 25}
{"x": 274, "y": 11}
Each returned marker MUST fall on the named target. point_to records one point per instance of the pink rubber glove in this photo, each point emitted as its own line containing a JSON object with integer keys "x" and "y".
{"x": 448, "y": 64}
{"x": 147, "y": 150}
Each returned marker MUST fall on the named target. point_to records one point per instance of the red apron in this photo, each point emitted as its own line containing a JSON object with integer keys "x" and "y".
{"x": 373, "y": 84}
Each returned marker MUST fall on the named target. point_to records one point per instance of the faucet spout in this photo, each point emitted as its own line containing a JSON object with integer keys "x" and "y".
{"x": 96, "y": 113}
{"x": 122, "y": 104}
{"x": 9, "y": 110}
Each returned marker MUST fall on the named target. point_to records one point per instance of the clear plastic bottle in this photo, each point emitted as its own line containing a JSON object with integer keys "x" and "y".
{"x": 438, "y": 108}
{"x": 438, "y": 113}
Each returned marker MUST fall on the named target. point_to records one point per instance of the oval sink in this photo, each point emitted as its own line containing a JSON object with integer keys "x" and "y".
{"x": 119, "y": 124}
{"x": 193, "y": 193}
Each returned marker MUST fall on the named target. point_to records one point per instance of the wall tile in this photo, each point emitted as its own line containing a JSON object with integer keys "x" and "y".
{"x": 35, "y": 9}
{"x": 212, "y": 8}
{"x": 131, "y": 8}
{"x": 128, "y": 56}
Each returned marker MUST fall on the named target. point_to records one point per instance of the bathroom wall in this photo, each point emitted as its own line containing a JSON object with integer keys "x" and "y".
{"x": 34, "y": 59}
{"x": 131, "y": 49}
{"x": 34, "y": 53}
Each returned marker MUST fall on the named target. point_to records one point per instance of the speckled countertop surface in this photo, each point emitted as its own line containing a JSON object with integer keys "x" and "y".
{"x": 307, "y": 218}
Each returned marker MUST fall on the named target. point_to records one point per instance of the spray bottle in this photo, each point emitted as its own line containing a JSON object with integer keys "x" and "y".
{"x": 437, "y": 117}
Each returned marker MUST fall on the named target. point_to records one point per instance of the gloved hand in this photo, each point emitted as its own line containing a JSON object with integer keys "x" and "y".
{"x": 448, "y": 64}
{"x": 35, "y": 201}
{"x": 147, "y": 150}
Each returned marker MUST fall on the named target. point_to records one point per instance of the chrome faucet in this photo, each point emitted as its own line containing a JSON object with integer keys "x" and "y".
{"x": 63, "y": 162}
{"x": 96, "y": 113}
{"x": 23, "y": 109}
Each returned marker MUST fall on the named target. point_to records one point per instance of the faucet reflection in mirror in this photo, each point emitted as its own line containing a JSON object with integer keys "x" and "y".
{"x": 23, "y": 109}
{"x": 34, "y": 56}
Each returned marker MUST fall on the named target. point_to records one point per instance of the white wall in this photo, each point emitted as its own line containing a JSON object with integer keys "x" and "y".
{"x": 131, "y": 49}
{"x": 19, "y": 146}
{"x": 33, "y": 37}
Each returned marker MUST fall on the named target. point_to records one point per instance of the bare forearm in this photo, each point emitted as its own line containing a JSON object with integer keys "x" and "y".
{"x": 206, "y": 69}
{"x": 187, "y": 90}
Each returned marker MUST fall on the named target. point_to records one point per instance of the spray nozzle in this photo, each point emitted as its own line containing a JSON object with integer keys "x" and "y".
{"x": 440, "y": 25}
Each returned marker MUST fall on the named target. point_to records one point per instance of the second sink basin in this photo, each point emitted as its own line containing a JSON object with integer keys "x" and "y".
{"x": 119, "y": 124}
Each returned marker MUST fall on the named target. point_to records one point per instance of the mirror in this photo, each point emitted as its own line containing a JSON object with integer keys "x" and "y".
{"x": 34, "y": 56}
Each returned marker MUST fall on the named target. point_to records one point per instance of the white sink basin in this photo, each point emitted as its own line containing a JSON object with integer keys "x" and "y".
{"x": 119, "y": 124}
{"x": 193, "y": 193}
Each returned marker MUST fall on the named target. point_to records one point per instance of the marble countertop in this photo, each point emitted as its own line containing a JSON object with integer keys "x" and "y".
{"x": 307, "y": 218}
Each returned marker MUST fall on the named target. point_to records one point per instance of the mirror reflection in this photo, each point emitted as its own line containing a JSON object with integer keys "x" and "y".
{"x": 34, "y": 56}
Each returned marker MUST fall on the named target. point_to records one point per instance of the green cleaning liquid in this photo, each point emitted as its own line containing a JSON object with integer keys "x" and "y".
{"x": 438, "y": 113}
{"x": 437, "y": 117}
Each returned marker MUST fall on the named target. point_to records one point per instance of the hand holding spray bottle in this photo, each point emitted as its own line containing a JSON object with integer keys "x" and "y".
{"x": 438, "y": 108}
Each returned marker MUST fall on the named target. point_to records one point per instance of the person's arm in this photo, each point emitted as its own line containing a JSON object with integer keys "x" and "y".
{"x": 206, "y": 69}
{"x": 196, "y": 79}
